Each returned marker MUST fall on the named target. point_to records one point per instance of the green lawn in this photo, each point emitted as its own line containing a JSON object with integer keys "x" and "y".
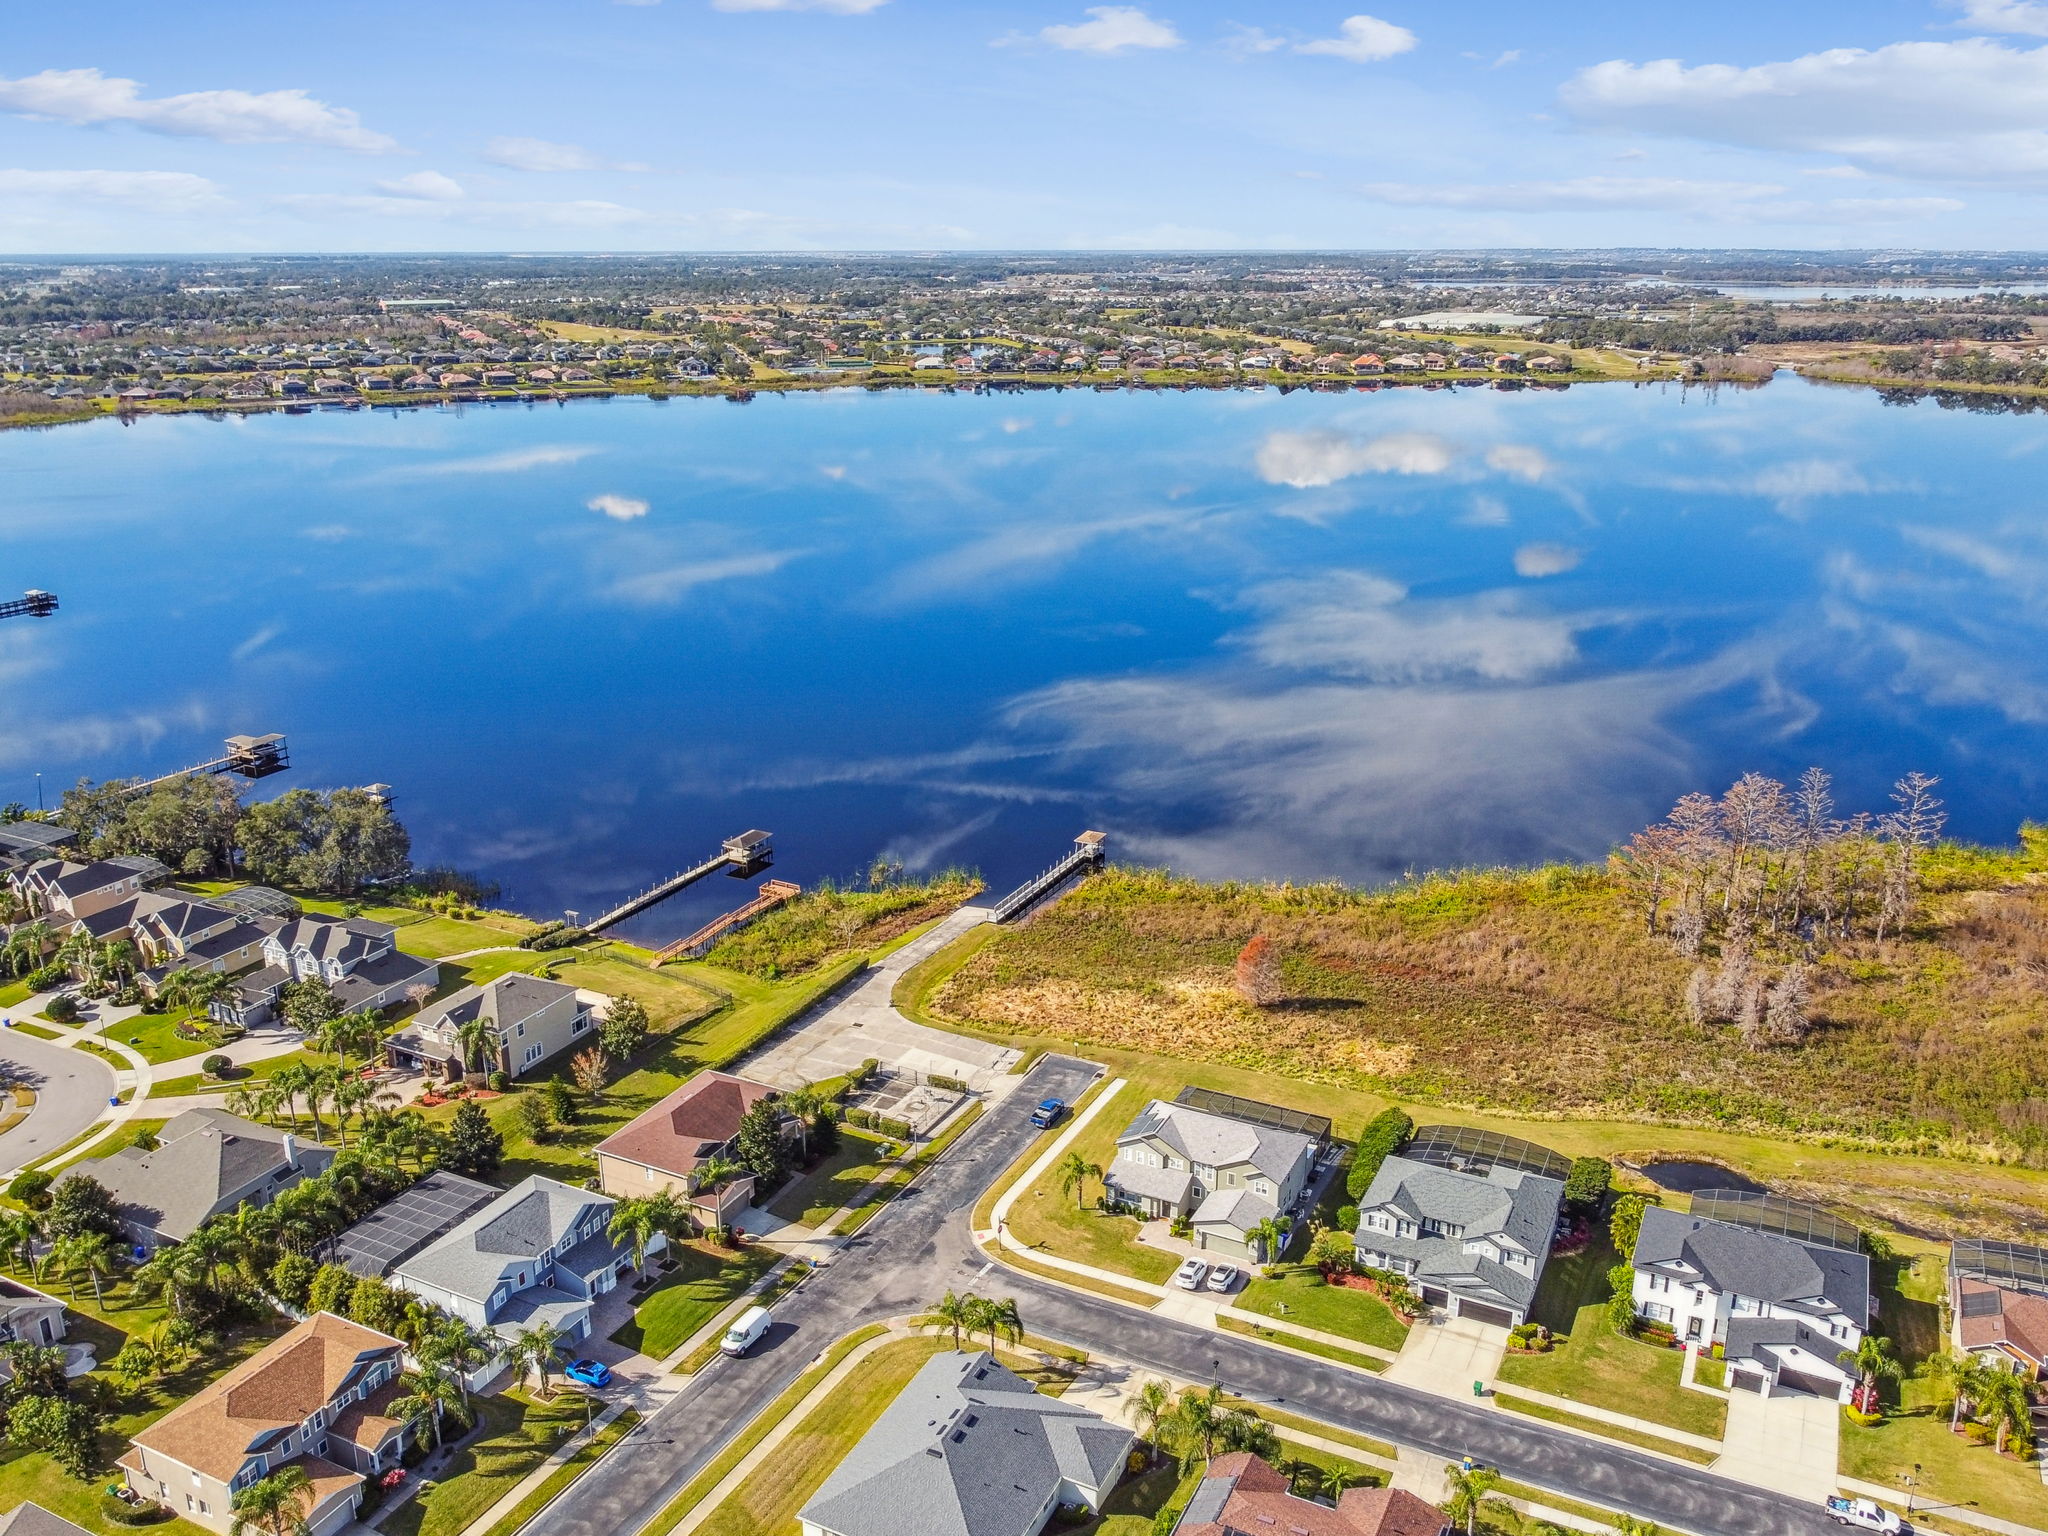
{"x": 1274, "y": 1336}
{"x": 1299, "y": 1295}
{"x": 155, "y": 1036}
{"x": 253, "y": 1072}
{"x": 1952, "y": 1471}
{"x": 1627, "y": 1436}
{"x": 124, "y": 1137}
{"x": 838, "y": 1177}
{"x": 556, "y": 1481}
{"x": 1043, "y": 1217}
{"x": 14, "y": 992}
{"x": 518, "y": 1433}
{"x": 690, "y": 1295}
{"x": 1594, "y": 1364}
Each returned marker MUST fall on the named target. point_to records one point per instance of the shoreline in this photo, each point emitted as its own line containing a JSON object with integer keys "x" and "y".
{"x": 948, "y": 382}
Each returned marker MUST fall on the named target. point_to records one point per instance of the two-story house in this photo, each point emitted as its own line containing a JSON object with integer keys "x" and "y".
{"x": 206, "y": 1162}
{"x": 1473, "y": 1243}
{"x": 531, "y": 1020}
{"x": 1228, "y": 1175}
{"x": 1782, "y": 1310}
{"x": 357, "y": 957}
{"x": 318, "y": 1398}
{"x": 174, "y": 934}
{"x": 538, "y": 1253}
{"x": 60, "y": 891}
{"x": 666, "y": 1145}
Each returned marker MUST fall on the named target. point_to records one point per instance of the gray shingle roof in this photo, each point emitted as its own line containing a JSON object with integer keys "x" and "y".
{"x": 205, "y": 1157}
{"x": 1144, "y": 1182}
{"x": 1238, "y": 1209}
{"x": 968, "y": 1448}
{"x": 506, "y": 999}
{"x": 1505, "y": 1203}
{"x": 1737, "y": 1261}
{"x": 512, "y": 1232}
{"x": 34, "y": 1520}
{"x": 1215, "y": 1141}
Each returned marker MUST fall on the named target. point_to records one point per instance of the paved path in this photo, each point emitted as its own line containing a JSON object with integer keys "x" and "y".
{"x": 919, "y": 1246}
{"x": 72, "y": 1089}
{"x": 864, "y": 1023}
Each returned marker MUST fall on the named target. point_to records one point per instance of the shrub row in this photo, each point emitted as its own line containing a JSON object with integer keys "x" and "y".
{"x": 1384, "y": 1135}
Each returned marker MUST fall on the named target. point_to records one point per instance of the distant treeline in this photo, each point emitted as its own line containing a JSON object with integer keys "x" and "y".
{"x": 1726, "y": 331}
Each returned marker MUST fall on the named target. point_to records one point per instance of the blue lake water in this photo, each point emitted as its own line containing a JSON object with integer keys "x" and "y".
{"x": 1248, "y": 634}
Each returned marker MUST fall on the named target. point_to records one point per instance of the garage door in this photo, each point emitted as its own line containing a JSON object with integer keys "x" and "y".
{"x": 1798, "y": 1381}
{"x": 1746, "y": 1381}
{"x": 1433, "y": 1297}
{"x": 1479, "y": 1312}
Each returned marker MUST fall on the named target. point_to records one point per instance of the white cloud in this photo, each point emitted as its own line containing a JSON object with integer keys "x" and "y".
{"x": 1114, "y": 28}
{"x": 1581, "y": 192}
{"x": 513, "y": 461}
{"x": 232, "y": 117}
{"x": 1307, "y": 459}
{"x": 164, "y": 192}
{"x": 2024, "y": 16}
{"x": 539, "y": 155}
{"x": 620, "y": 509}
{"x": 431, "y": 185}
{"x": 672, "y": 583}
{"x": 835, "y": 7}
{"x": 1355, "y": 624}
{"x": 1247, "y": 40}
{"x": 1969, "y": 110}
{"x": 1539, "y": 560}
{"x": 1521, "y": 461}
{"x": 1363, "y": 40}
{"x": 256, "y": 642}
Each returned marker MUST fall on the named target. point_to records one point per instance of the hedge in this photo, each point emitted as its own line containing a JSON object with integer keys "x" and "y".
{"x": 1384, "y": 1135}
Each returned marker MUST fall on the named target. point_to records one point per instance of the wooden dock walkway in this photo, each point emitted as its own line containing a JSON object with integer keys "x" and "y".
{"x": 773, "y": 894}
{"x": 745, "y": 854}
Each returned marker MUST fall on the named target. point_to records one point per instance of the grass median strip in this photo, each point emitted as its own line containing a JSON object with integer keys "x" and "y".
{"x": 1293, "y": 1422}
{"x": 755, "y": 1432}
{"x": 1557, "y": 1501}
{"x": 1306, "y": 1346}
{"x": 1605, "y": 1431}
{"x": 566, "y": 1474}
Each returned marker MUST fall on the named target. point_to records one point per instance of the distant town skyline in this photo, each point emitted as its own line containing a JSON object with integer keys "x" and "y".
{"x": 554, "y": 125}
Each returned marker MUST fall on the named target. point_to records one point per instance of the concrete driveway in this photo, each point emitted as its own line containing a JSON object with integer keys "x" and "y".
{"x": 1445, "y": 1355}
{"x": 1790, "y": 1442}
{"x": 72, "y": 1088}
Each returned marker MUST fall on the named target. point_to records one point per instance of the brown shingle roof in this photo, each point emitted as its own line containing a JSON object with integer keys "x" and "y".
{"x": 1242, "y": 1493}
{"x": 273, "y": 1390}
{"x": 370, "y": 1422}
{"x": 2019, "y": 1324}
{"x": 676, "y": 1134}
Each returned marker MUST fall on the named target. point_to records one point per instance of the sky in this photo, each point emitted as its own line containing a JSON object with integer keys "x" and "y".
{"x": 793, "y": 125}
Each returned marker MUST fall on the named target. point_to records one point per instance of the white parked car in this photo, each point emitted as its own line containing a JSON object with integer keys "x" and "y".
{"x": 1191, "y": 1274}
{"x": 1223, "y": 1278}
{"x": 745, "y": 1333}
{"x": 1865, "y": 1515}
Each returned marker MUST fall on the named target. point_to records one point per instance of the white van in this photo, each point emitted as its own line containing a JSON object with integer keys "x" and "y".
{"x": 746, "y": 1333}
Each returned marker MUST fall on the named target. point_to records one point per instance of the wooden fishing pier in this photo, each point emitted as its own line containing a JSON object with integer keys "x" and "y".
{"x": 772, "y": 895}
{"x": 742, "y": 857}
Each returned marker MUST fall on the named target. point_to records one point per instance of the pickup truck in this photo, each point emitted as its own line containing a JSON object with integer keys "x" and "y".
{"x": 1865, "y": 1515}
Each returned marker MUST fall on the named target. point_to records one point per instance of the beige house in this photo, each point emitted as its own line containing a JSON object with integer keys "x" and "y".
{"x": 532, "y": 1020}
{"x": 1226, "y": 1174}
{"x": 27, "y": 1315}
{"x": 318, "y": 1399}
{"x": 666, "y": 1145}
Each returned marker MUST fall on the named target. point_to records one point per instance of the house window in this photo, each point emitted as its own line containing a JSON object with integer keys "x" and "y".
{"x": 1656, "y": 1312}
{"x": 1660, "y": 1283}
{"x": 582, "y": 1023}
{"x": 519, "y": 1029}
{"x": 533, "y": 1054}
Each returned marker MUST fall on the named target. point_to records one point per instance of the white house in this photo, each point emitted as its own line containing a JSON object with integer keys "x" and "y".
{"x": 1783, "y": 1311}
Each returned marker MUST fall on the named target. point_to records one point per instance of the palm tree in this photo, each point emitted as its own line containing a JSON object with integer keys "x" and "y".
{"x": 1074, "y": 1173}
{"x": 460, "y": 1348}
{"x": 955, "y": 1312}
{"x": 291, "y": 1080}
{"x": 26, "y": 946}
{"x": 1155, "y": 1397}
{"x": 477, "y": 1041}
{"x": 319, "y": 1087}
{"x": 119, "y": 959}
{"x": 1873, "y": 1360}
{"x": 804, "y": 1104}
{"x": 1194, "y": 1423}
{"x": 998, "y": 1318}
{"x": 1472, "y": 1489}
{"x": 2002, "y": 1400}
{"x": 642, "y": 1219}
{"x": 177, "y": 1273}
{"x": 95, "y": 1253}
{"x": 1271, "y": 1236}
{"x": 1635, "y": 1525}
{"x": 340, "y": 1033}
{"x": 536, "y": 1351}
{"x": 275, "y": 1504}
{"x": 21, "y": 1231}
{"x": 717, "y": 1171}
{"x": 430, "y": 1393}
{"x": 350, "y": 1095}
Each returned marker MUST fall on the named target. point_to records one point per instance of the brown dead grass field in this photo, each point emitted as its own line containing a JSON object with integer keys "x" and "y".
{"x": 1536, "y": 993}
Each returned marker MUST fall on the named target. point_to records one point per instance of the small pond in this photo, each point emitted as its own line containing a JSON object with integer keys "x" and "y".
{"x": 1690, "y": 1178}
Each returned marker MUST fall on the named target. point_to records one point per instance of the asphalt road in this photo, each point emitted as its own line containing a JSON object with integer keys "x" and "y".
{"x": 72, "y": 1087}
{"x": 920, "y": 1245}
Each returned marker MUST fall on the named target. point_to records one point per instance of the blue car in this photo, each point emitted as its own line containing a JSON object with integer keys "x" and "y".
{"x": 592, "y": 1373}
{"x": 1048, "y": 1113}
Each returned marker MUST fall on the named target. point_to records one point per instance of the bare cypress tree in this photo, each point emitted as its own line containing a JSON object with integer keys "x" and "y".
{"x": 1696, "y": 990}
{"x": 1749, "y": 1012}
{"x": 1689, "y": 929}
{"x": 1258, "y": 972}
{"x": 1785, "y": 1020}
